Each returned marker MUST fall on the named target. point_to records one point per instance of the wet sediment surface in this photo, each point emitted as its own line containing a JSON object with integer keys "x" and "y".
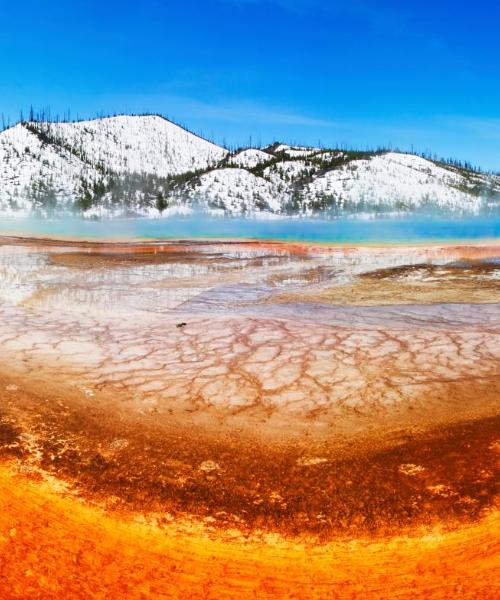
{"x": 322, "y": 485}
{"x": 316, "y": 394}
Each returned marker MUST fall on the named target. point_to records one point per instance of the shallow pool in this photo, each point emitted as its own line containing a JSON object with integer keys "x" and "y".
{"x": 352, "y": 230}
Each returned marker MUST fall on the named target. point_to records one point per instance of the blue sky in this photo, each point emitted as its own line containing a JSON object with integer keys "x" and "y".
{"x": 360, "y": 73}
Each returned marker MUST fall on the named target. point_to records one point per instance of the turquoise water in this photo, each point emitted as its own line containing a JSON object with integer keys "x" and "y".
{"x": 396, "y": 230}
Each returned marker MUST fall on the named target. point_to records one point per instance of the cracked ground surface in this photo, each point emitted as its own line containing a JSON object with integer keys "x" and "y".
{"x": 248, "y": 390}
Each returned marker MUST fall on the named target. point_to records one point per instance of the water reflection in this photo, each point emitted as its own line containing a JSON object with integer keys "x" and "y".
{"x": 211, "y": 277}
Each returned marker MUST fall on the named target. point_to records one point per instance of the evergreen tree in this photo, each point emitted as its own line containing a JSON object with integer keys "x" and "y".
{"x": 161, "y": 202}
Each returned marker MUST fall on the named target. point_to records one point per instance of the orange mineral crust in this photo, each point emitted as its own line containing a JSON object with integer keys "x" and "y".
{"x": 56, "y": 547}
{"x": 248, "y": 420}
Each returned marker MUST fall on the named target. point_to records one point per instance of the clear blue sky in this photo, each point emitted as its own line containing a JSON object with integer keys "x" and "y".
{"x": 358, "y": 72}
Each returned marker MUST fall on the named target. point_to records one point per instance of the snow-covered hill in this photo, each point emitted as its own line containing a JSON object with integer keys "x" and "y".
{"x": 400, "y": 181}
{"x": 57, "y": 163}
{"x": 147, "y": 165}
{"x": 249, "y": 158}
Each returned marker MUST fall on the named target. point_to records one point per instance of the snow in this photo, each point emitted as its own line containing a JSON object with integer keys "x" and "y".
{"x": 393, "y": 179}
{"x": 147, "y": 144}
{"x": 86, "y": 149}
{"x": 249, "y": 158}
{"x": 236, "y": 191}
{"x": 296, "y": 151}
{"x": 26, "y": 161}
{"x": 287, "y": 170}
{"x": 83, "y": 153}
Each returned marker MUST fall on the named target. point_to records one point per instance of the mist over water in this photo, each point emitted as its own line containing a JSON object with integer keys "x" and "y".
{"x": 348, "y": 230}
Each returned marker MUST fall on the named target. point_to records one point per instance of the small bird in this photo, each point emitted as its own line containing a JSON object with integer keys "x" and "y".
{"x": 181, "y": 325}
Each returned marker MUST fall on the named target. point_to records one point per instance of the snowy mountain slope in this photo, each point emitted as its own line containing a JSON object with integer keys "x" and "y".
{"x": 146, "y": 165}
{"x": 29, "y": 167}
{"x": 57, "y": 162}
{"x": 385, "y": 182}
{"x": 249, "y": 158}
{"x": 235, "y": 191}
{"x": 393, "y": 180}
{"x": 288, "y": 170}
{"x": 295, "y": 151}
{"x": 147, "y": 144}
